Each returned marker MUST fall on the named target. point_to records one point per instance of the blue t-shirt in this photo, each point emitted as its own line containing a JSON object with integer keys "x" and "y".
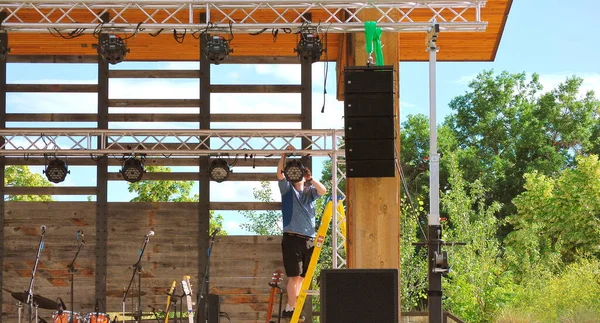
{"x": 298, "y": 208}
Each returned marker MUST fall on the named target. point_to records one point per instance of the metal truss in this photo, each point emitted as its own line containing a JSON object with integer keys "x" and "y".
{"x": 77, "y": 142}
{"x": 84, "y": 142}
{"x": 339, "y": 233}
{"x": 244, "y": 15}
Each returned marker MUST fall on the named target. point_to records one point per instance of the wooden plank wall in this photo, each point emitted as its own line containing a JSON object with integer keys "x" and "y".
{"x": 240, "y": 269}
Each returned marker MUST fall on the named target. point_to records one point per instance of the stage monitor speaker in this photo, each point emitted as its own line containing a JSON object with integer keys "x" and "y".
{"x": 359, "y": 295}
{"x": 214, "y": 309}
{"x": 368, "y": 79}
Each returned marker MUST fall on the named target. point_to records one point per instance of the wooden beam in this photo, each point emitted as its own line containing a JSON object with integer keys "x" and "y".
{"x": 195, "y": 176}
{"x": 255, "y": 88}
{"x": 52, "y": 59}
{"x": 149, "y": 117}
{"x": 150, "y": 74}
{"x": 257, "y": 206}
{"x": 40, "y": 117}
{"x": 239, "y": 117}
{"x": 153, "y": 103}
{"x": 51, "y": 190}
{"x": 44, "y": 88}
{"x": 373, "y": 204}
{"x": 86, "y": 161}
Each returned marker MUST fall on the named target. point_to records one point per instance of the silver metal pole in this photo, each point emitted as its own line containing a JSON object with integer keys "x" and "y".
{"x": 434, "y": 232}
{"x": 434, "y": 157}
{"x": 334, "y": 227}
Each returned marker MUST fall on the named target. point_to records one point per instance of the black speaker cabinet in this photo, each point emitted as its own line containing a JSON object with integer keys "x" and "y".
{"x": 368, "y": 104}
{"x": 214, "y": 309}
{"x": 369, "y": 128}
{"x": 359, "y": 295}
{"x": 357, "y": 149}
{"x": 370, "y": 168}
{"x": 368, "y": 79}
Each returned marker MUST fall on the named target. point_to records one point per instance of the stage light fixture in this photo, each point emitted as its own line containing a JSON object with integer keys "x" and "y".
{"x": 216, "y": 49}
{"x": 294, "y": 171}
{"x": 309, "y": 47}
{"x": 133, "y": 170}
{"x": 112, "y": 48}
{"x": 219, "y": 170}
{"x": 56, "y": 170}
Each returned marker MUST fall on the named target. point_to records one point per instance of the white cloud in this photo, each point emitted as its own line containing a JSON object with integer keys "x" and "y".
{"x": 465, "y": 79}
{"x": 591, "y": 81}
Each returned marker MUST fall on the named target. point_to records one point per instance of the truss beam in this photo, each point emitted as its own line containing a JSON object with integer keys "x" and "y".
{"x": 83, "y": 142}
{"x": 149, "y": 16}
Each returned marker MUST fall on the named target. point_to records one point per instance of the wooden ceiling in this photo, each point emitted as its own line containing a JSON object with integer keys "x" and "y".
{"x": 454, "y": 46}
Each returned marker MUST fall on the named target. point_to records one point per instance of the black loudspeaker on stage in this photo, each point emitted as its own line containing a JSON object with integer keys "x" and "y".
{"x": 369, "y": 121}
{"x": 214, "y": 308}
{"x": 359, "y": 295}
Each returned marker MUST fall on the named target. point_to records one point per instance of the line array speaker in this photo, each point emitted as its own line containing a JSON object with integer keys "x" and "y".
{"x": 369, "y": 121}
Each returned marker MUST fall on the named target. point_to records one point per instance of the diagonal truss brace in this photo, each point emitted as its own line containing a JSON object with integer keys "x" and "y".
{"x": 78, "y": 142}
{"x": 244, "y": 16}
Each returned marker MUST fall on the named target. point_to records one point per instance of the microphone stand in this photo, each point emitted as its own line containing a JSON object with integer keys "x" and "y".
{"x": 204, "y": 284}
{"x": 35, "y": 265}
{"x": 71, "y": 268}
{"x": 137, "y": 268}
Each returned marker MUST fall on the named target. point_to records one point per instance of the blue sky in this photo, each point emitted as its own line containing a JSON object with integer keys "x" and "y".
{"x": 549, "y": 37}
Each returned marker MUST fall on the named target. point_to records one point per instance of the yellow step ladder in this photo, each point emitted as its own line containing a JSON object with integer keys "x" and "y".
{"x": 321, "y": 233}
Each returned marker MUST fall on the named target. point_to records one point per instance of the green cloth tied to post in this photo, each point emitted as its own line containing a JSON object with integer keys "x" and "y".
{"x": 373, "y": 38}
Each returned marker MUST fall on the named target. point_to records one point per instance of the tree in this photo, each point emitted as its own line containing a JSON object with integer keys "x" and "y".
{"x": 170, "y": 191}
{"x": 477, "y": 287}
{"x": 504, "y": 127}
{"x": 558, "y": 219}
{"x": 263, "y": 223}
{"x": 22, "y": 176}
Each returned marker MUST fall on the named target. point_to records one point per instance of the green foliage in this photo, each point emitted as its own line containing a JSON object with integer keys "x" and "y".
{"x": 504, "y": 127}
{"x": 569, "y": 296}
{"x": 557, "y": 219}
{"x": 263, "y": 223}
{"x": 20, "y": 176}
{"x": 413, "y": 259}
{"x": 476, "y": 287}
{"x": 170, "y": 191}
{"x": 162, "y": 191}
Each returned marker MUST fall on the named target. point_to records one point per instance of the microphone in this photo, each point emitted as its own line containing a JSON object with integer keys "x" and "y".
{"x": 151, "y": 233}
{"x": 62, "y": 305}
{"x": 43, "y": 229}
{"x": 212, "y": 236}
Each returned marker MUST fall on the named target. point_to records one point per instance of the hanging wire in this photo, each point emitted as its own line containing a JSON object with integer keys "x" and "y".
{"x": 326, "y": 69}
{"x": 410, "y": 201}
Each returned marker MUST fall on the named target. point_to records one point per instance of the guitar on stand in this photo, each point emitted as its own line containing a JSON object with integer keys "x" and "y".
{"x": 276, "y": 279}
{"x": 187, "y": 291}
{"x": 169, "y": 294}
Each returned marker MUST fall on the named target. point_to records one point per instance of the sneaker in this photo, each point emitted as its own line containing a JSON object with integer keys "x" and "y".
{"x": 287, "y": 314}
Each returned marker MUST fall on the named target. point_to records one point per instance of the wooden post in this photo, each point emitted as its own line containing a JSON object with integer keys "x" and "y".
{"x": 374, "y": 203}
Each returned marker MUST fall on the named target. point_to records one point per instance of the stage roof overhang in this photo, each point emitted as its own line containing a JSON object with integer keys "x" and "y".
{"x": 471, "y": 30}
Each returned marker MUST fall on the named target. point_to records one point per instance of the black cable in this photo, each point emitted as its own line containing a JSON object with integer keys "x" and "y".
{"x": 326, "y": 67}
{"x": 179, "y": 37}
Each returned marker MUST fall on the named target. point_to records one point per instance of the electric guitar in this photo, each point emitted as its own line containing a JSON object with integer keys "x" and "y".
{"x": 187, "y": 290}
{"x": 275, "y": 280}
{"x": 171, "y": 291}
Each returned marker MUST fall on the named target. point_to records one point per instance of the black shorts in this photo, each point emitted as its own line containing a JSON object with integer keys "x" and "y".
{"x": 296, "y": 251}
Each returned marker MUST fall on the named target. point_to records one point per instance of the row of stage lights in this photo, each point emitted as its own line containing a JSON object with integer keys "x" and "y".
{"x": 309, "y": 48}
{"x": 132, "y": 170}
